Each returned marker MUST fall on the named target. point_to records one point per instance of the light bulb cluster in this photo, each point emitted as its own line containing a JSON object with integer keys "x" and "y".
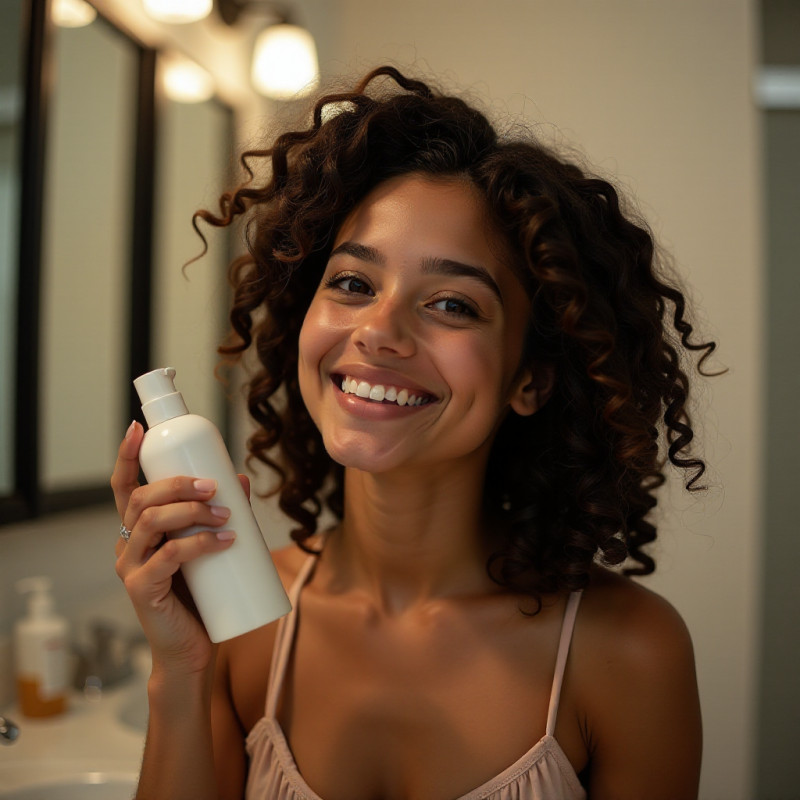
{"x": 284, "y": 58}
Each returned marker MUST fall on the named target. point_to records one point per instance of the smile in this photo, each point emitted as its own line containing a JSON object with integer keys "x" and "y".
{"x": 378, "y": 393}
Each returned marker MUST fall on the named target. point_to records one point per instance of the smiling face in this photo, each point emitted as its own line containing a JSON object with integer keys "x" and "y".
{"x": 410, "y": 350}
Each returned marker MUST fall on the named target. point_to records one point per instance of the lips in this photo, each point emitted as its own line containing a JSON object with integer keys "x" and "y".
{"x": 382, "y": 393}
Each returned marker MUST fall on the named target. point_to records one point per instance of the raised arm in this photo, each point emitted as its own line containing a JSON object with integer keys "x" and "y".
{"x": 179, "y": 751}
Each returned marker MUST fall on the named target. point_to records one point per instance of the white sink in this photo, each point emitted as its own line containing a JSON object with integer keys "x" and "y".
{"x": 87, "y": 786}
{"x": 93, "y": 752}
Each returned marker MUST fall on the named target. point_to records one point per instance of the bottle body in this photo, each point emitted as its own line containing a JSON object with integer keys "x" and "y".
{"x": 42, "y": 665}
{"x": 238, "y": 589}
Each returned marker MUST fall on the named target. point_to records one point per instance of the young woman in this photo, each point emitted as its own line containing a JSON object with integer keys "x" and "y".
{"x": 469, "y": 358}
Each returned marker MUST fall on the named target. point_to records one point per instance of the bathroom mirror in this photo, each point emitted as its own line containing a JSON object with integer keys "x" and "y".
{"x": 86, "y": 246}
{"x": 110, "y": 172}
{"x": 11, "y": 94}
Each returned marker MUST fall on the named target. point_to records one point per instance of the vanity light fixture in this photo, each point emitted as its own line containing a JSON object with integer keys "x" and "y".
{"x": 72, "y": 13}
{"x": 284, "y": 62}
{"x": 186, "y": 82}
{"x": 178, "y": 12}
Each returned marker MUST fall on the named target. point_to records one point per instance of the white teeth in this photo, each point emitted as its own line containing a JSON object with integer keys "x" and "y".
{"x": 379, "y": 393}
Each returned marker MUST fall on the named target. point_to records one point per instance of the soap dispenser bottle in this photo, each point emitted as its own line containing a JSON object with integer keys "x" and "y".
{"x": 41, "y": 646}
{"x": 235, "y": 590}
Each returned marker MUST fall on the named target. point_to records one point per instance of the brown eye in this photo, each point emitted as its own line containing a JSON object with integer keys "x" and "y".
{"x": 452, "y": 305}
{"x": 354, "y": 285}
{"x": 349, "y": 284}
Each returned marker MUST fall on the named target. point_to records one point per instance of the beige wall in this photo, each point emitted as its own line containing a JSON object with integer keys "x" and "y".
{"x": 656, "y": 94}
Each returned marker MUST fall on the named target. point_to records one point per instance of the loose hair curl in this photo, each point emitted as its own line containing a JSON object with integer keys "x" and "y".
{"x": 574, "y": 482}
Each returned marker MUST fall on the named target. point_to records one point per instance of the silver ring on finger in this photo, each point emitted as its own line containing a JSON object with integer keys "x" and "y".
{"x": 124, "y": 532}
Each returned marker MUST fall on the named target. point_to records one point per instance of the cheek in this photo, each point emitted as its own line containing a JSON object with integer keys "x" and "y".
{"x": 305, "y": 342}
{"x": 474, "y": 370}
{"x": 483, "y": 373}
{"x": 309, "y": 349}
{"x": 313, "y": 334}
{"x": 319, "y": 338}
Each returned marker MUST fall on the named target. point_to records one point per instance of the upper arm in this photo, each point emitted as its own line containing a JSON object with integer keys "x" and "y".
{"x": 230, "y": 760}
{"x": 643, "y": 710}
{"x": 240, "y": 689}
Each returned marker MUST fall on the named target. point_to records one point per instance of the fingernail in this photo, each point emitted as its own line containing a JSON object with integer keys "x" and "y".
{"x": 204, "y": 485}
{"x": 131, "y": 429}
{"x": 220, "y": 511}
{"x": 226, "y": 536}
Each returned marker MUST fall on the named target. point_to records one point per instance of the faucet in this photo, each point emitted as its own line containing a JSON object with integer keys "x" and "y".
{"x": 8, "y": 731}
{"x": 106, "y": 662}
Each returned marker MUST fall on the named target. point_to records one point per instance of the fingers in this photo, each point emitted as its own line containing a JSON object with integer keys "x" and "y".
{"x": 151, "y": 582}
{"x": 146, "y": 500}
{"x": 125, "y": 477}
{"x": 149, "y": 526}
{"x": 245, "y": 481}
{"x": 162, "y": 493}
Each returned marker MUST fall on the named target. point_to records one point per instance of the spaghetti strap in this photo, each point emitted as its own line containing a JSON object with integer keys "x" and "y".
{"x": 567, "y": 627}
{"x": 285, "y": 638}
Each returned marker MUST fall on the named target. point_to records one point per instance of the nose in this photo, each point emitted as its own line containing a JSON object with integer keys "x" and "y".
{"x": 385, "y": 328}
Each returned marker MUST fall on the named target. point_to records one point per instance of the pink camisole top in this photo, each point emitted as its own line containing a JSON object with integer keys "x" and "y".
{"x": 543, "y": 773}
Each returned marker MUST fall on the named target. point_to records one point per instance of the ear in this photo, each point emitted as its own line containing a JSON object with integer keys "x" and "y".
{"x": 532, "y": 389}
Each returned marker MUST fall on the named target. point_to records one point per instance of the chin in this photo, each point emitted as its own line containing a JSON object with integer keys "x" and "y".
{"x": 362, "y": 455}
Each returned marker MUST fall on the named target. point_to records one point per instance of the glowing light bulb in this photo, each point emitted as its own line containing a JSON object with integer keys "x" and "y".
{"x": 186, "y": 82}
{"x": 178, "y": 11}
{"x": 285, "y": 62}
{"x": 72, "y": 13}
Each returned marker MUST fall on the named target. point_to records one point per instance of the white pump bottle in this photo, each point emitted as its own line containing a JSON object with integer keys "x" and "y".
{"x": 236, "y": 590}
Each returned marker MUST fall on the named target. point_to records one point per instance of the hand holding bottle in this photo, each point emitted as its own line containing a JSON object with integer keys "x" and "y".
{"x": 148, "y": 562}
{"x": 193, "y": 489}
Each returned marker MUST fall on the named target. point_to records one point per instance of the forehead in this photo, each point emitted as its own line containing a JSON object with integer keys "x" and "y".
{"x": 427, "y": 216}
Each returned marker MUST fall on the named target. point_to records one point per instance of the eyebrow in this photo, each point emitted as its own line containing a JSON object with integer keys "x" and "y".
{"x": 360, "y": 251}
{"x": 431, "y": 265}
{"x": 447, "y": 266}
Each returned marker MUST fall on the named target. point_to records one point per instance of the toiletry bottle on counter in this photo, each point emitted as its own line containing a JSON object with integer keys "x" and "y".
{"x": 235, "y": 590}
{"x": 41, "y": 647}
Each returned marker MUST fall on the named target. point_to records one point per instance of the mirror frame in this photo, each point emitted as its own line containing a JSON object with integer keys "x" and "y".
{"x": 28, "y": 499}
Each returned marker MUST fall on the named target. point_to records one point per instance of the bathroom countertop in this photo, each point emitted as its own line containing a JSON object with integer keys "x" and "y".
{"x": 89, "y": 737}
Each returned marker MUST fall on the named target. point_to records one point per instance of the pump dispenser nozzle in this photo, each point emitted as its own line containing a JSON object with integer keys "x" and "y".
{"x": 160, "y": 400}
{"x": 40, "y": 601}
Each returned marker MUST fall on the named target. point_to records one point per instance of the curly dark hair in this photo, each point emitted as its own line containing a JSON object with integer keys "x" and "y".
{"x": 570, "y": 484}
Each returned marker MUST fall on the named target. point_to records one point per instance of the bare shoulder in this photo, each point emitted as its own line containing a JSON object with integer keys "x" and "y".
{"x": 636, "y": 689}
{"x": 631, "y": 625}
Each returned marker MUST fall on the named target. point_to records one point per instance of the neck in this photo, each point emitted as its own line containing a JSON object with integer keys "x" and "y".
{"x": 407, "y": 539}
